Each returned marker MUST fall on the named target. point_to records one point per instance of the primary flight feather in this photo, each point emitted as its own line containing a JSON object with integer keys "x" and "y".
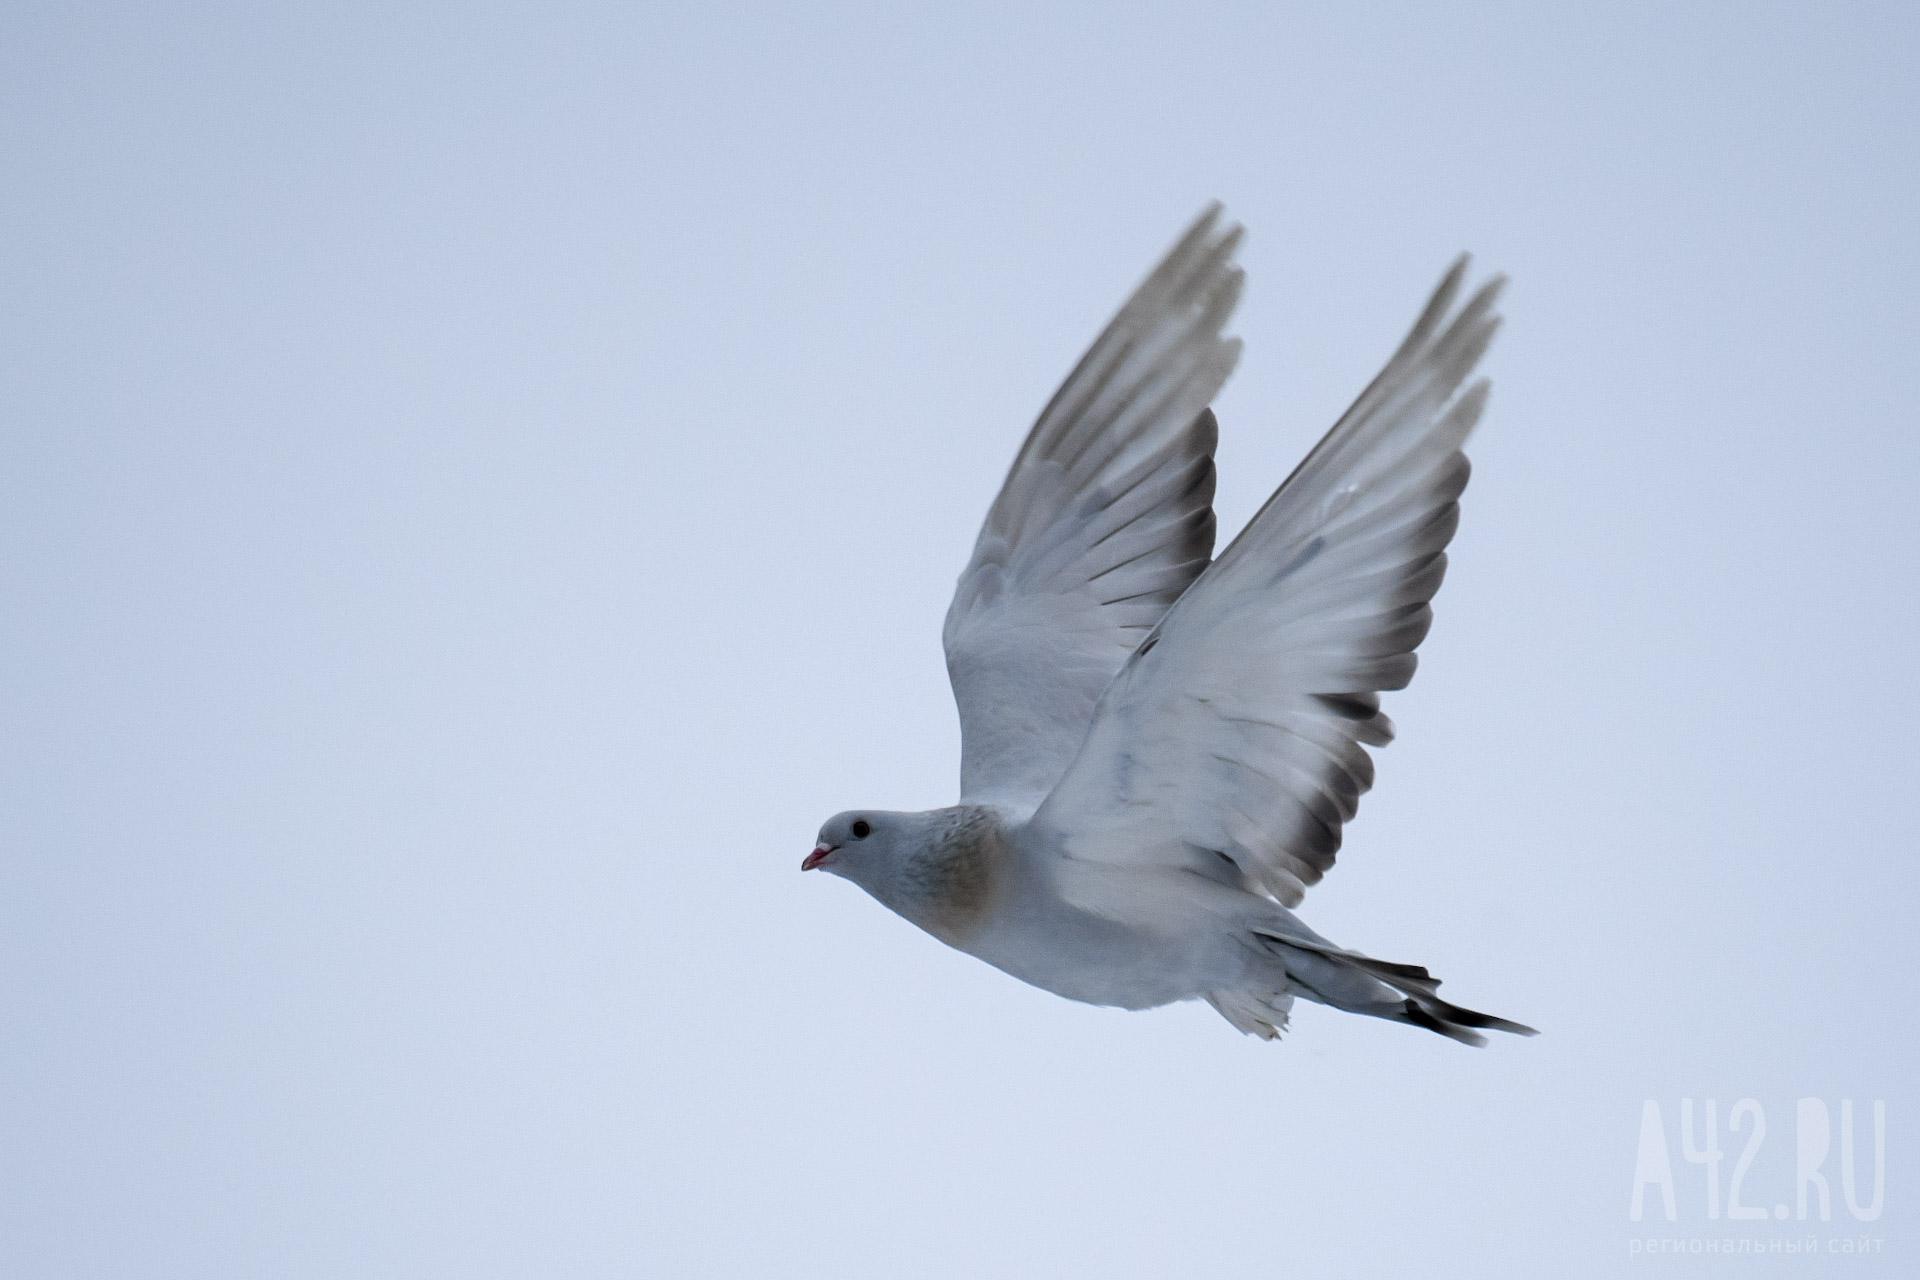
{"x": 1160, "y": 748}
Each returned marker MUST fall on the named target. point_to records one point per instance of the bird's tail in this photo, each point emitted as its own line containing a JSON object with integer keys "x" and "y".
{"x": 1359, "y": 983}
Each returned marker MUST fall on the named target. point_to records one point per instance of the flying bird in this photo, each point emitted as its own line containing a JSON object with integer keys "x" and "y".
{"x": 1160, "y": 746}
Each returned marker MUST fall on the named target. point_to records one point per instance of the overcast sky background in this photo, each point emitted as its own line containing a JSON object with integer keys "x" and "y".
{"x": 478, "y": 487}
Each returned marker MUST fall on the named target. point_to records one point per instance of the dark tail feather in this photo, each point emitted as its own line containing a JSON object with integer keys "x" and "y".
{"x": 1412, "y": 1012}
{"x": 1455, "y": 1023}
{"x": 1420, "y": 1006}
{"x": 1425, "y": 1009}
{"x": 1408, "y": 977}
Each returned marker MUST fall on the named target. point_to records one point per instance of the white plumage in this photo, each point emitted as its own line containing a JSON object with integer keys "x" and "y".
{"x": 1160, "y": 750}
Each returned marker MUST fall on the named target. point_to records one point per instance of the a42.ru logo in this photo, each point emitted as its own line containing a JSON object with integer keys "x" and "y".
{"x": 1751, "y": 1176}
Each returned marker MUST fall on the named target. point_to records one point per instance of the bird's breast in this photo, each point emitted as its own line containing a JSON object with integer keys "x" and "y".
{"x": 955, "y": 888}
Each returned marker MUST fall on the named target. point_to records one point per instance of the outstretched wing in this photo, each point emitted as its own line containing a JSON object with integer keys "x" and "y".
{"x": 1231, "y": 743}
{"x": 1104, "y": 519}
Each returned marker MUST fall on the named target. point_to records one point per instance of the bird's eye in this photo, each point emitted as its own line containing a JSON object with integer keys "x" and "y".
{"x": 862, "y": 829}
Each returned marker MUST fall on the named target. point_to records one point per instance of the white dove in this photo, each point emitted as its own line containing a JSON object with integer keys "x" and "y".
{"x": 1158, "y": 751}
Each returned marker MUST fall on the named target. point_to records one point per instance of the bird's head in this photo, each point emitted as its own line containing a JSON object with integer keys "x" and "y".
{"x": 933, "y": 867}
{"x": 860, "y": 844}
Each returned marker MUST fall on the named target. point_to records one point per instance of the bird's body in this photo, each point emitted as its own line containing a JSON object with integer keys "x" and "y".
{"x": 1159, "y": 748}
{"x": 1025, "y": 925}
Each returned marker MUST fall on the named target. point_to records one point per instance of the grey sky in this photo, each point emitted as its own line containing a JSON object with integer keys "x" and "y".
{"x": 478, "y": 487}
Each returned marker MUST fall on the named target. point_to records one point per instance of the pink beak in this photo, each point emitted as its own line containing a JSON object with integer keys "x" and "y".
{"x": 818, "y": 856}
